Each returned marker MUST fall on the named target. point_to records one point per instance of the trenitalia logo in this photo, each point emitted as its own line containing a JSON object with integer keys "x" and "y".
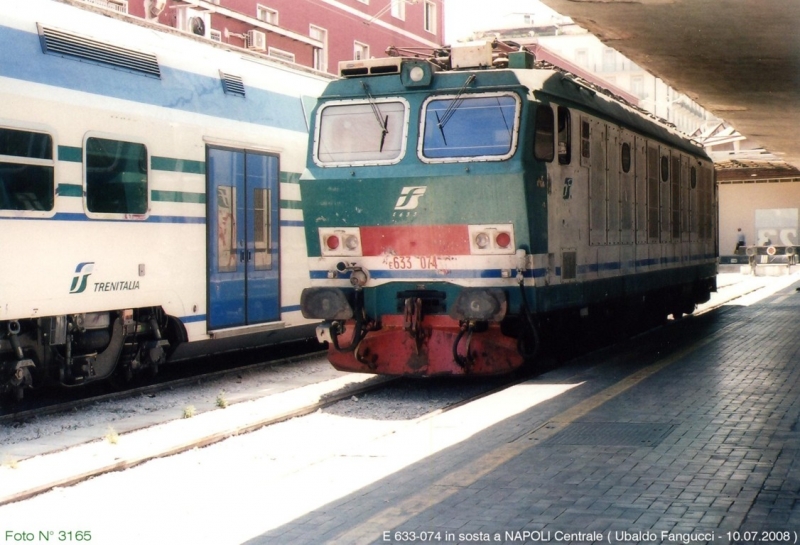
{"x": 82, "y": 272}
{"x": 409, "y": 197}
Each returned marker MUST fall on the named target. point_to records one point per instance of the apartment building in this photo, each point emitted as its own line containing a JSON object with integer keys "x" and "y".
{"x": 313, "y": 33}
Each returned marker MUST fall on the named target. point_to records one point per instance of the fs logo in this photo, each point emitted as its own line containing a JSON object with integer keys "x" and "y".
{"x": 82, "y": 272}
{"x": 409, "y": 197}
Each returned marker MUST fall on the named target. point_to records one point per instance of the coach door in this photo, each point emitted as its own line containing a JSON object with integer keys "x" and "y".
{"x": 243, "y": 280}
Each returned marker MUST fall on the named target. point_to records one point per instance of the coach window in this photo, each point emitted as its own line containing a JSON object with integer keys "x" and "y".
{"x": 543, "y": 140}
{"x": 564, "y": 137}
{"x": 116, "y": 177}
{"x": 26, "y": 170}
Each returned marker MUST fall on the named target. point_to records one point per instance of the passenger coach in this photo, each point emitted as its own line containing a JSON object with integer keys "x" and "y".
{"x": 149, "y": 205}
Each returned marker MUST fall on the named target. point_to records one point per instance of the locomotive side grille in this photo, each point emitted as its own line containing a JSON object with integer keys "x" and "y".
{"x": 58, "y": 42}
{"x": 569, "y": 266}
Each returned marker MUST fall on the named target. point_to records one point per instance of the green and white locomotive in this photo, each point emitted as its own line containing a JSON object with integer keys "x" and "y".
{"x": 463, "y": 210}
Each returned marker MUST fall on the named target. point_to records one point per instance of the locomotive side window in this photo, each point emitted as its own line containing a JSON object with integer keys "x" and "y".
{"x": 361, "y": 132}
{"x": 543, "y": 140}
{"x": 675, "y": 196}
{"x": 564, "y": 137}
{"x": 664, "y": 168}
{"x": 653, "y": 201}
{"x": 475, "y": 126}
{"x": 586, "y": 133}
{"x": 116, "y": 177}
{"x": 626, "y": 157}
{"x": 26, "y": 170}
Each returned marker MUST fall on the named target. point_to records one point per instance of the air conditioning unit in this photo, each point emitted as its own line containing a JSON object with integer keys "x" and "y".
{"x": 256, "y": 40}
{"x": 193, "y": 21}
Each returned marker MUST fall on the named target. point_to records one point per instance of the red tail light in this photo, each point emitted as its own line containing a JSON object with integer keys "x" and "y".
{"x": 503, "y": 240}
{"x": 332, "y": 242}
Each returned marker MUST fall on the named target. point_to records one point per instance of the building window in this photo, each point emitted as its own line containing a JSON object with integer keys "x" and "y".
{"x": 430, "y": 17}
{"x": 637, "y": 86}
{"x": 280, "y": 54}
{"x": 609, "y": 60}
{"x": 320, "y": 54}
{"x": 114, "y": 5}
{"x": 399, "y": 9}
{"x": 26, "y": 170}
{"x": 268, "y": 15}
{"x": 116, "y": 177}
{"x": 582, "y": 58}
{"x": 360, "y": 51}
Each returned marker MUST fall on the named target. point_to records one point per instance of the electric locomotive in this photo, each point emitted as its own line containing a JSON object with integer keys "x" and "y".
{"x": 148, "y": 195}
{"x": 463, "y": 211}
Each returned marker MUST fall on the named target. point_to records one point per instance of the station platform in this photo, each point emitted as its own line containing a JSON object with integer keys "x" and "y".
{"x": 688, "y": 435}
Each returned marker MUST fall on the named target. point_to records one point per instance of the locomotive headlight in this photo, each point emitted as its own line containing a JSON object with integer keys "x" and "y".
{"x": 482, "y": 240}
{"x": 351, "y": 242}
{"x": 416, "y": 74}
{"x": 481, "y": 304}
{"x": 325, "y": 304}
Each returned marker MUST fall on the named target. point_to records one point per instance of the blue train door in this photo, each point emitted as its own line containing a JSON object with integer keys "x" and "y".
{"x": 243, "y": 257}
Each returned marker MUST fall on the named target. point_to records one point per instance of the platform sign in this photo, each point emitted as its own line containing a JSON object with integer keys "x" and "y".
{"x": 777, "y": 227}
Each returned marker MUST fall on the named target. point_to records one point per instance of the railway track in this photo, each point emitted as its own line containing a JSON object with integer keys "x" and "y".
{"x": 56, "y": 407}
{"x": 335, "y": 396}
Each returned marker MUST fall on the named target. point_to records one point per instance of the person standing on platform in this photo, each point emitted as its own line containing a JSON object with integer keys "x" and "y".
{"x": 740, "y": 241}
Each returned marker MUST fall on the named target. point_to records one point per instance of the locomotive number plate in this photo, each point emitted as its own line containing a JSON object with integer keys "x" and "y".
{"x": 398, "y": 262}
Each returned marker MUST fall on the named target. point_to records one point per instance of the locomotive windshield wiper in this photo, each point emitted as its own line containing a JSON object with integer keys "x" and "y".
{"x": 451, "y": 109}
{"x": 383, "y": 122}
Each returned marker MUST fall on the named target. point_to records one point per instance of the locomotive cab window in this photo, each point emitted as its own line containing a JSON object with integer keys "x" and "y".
{"x": 26, "y": 170}
{"x": 363, "y": 132}
{"x": 543, "y": 139}
{"x": 116, "y": 177}
{"x": 479, "y": 127}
